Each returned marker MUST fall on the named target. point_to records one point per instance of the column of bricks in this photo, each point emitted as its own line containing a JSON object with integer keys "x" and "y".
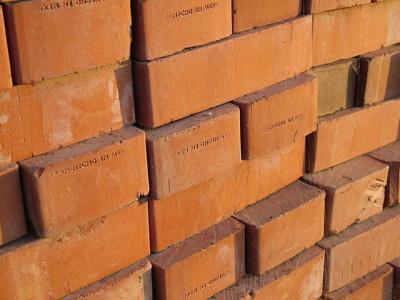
{"x": 199, "y": 149}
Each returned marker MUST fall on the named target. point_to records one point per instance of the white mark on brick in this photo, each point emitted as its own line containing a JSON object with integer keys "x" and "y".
{"x": 4, "y": 118}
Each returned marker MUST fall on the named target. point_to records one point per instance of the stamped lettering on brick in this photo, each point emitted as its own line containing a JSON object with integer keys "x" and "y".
{"x": 65, "y": 4}
{"x": 284, "y": 122}
{"x": 206, "y": 284}
{"x": 193, "y": 10}
{"x": 203, "y": 144}
{"x": 88, "y": 163}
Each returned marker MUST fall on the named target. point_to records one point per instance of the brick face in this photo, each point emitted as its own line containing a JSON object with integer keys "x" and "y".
{"x": 43, "y": 42}
{"x": 5, "y": 71}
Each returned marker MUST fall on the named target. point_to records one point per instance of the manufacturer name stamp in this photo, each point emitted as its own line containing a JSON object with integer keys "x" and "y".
{"x": 207, "y": 284}
{"x": 193, "y": 10}
{"x": 203, "y": 144}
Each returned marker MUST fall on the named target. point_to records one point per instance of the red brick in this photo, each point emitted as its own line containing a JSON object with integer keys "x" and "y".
{"x": 177, "y": 217}
{"x": 201, "y": 266}
{"x": 361, "y": 248}
{"x": 379, "y": 76}
{"x": 39, "y": 118}
{"x": 298, "y": 278}
{"x": 316, "y": 6}
{"x": 166, "y": 27}
{"x": 79, "y": 183}
{"x": 396, "y": 278}
{"x": 5, "y": 71}
{"x": 349, "y": 32}
{"x": 192, "y": 81}
{"x": 55, "y": 267}
{"x": 256, "y": 13}
{"x": 193, "y": 150}
{"x": 349, "y": 133}
{"x": 293, "y": 218}
{"x": 12, "y": 218}
{"x": 266, "y": 127}
{"x": 391, "y": 156}
{"x": 375, "y": 285}
{"x": 134, "y": 282}
{"x": 43, "y": 37}
{"x": 355, "y": 191}
{"x": 341, "y": 94}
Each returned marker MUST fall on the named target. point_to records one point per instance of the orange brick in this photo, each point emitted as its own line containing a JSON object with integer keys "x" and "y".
{"x": 202, "y": 265}
{"x": 43, "y": 37}
{"x": 12, "y": 218}
{"x": 293, "y": 218}
{"x": 177, "y": 217}
{"x": 375, "y": 285}
{"x": 355, "y": 191}
{"x": 361, "y": 248}
{"x": 315, "y": 6}
{"x": 58, "y": 266}
{"x": 298, "y": 278}
{"x": 266, "y": 127}
{"x": 56, "y": 113}
{"x": 349, "y": 133}
{"x": 256, "y": 13}
{"x": 5, "y": 71}
{"x": 391, "y": 156}
{"x": 191, "y": 151}
{"x": 134, "y": 282}
{"x": 166, "y": 27}
{"x": 79, "y": 183}
{"x": 349, "y": 32}
{"x": 189, "y": 82}
{"x": 379, "y": 76}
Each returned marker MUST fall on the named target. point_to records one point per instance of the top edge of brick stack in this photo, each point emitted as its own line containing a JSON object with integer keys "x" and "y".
{"x": 49, "y": 39}
{"x": 176, "y": 86}
{"x": 166, "y": 27}
{"x": 345, "y": 33}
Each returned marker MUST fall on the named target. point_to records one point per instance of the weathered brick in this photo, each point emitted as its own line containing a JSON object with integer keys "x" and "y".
{"x": 361, "y": 248}
{"x": 189, "y": 82}
{"x": 12, "y": 217}
{"x": 298, "y": 278}
{"x": 391, "y": 156}
{"x": 74, "y": 185}
{"x": 164, "y": 27}
{"x": 56, "y": 113}
{"x": 355, "y": 191}
{"x": 44, "y": 43}
{"x": 379, "y": 76}
{"x": 5, "y": 71}
{"x": 293, "y": 218}
{"x": 55, "y": 267}
{"x": 375, "y": 285}
{"x": 177, "y": 217}
{"x": 266, "y": 127}
{"x": 256, "y": 13}
{"x": 193, "y": 150}
{"x": 133, "y": 282}
{"x": 337, "y": 84}
{"x": 396, "y": 278}
{"x": 202, "y": 265}
{"x": 349, "y": 133}
{"x": 316, "y": 6}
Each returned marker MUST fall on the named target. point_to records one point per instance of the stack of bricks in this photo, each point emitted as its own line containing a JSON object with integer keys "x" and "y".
{"x": 199, "y": 150}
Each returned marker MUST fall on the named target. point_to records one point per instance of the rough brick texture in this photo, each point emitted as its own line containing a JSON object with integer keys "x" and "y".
{"x": 43, "y": 117}
{"x": 12, "y": 217}
{"x": 202, "y": 265}
{"x": 58, "y": 266}
{"x": 5, "y": 71}
{"x": 79, "y": 183}
{"x": 355, "y": 191}
{"x": 266, "y": 127}
{"x": 180, "y": 85}
{"x": 177, "y": 217}
{"x": 44, "y": 40}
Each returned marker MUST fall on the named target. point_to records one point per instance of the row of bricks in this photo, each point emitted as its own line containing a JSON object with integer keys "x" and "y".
{"x": 293, "y": 218}
{"x": 197, "y": 23}
{"x": 205, "y": 138}
{"x": 56, "y": 117}
{"x": 165, "y": 93}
